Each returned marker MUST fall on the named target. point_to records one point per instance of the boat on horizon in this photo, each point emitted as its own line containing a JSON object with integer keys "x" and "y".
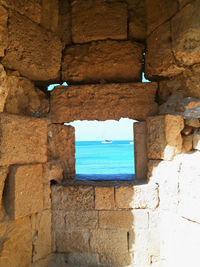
{"x": 106, "y": 141}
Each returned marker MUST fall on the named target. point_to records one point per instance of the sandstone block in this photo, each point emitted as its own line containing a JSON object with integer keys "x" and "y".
{"x": 73, "y": 241}
{"x": 3, "y": 30}
{"x": 159, "y": 59}
{"x": 24, "y": 186}
{"x": 23, "y": 139}
{"x": 50, "y": 14}
{"x": 61, "y": 146}
{"x": 3, "y": 176}
{"x": 72, "y": 198}
{"x": 64, "y": 22}
{"x": 33, "y": 51}
{"x": 83, "y": 259}
{"x": 90, "y": 20}
{"x": 41, "y": 234}
{"x": 77, "y": 220}
{"x": 103, "y": 61}
{"x": 193, "y": 122}
{"x": 164, "y": 136}
{"x": 158, "y": 12}
{"x": 185, "y": 34}
{"x": 46, "y": 196}
{"x": 196, "y": 140}
{"x": 58, "y": 221}
{"x": 137, "y": 197}
{"x": 103, "y": 102}
{"x": 140, "y": 149}
{"x": 4, "y": 89}
{"x": 23, "y": 98}
{"x": 16, "y": 248}
{"x": 104, "y": 198}
{"x": 187, "y": 143}
{"x": 112, "y": 246}
{"x": 28, "y": 8}
{"x": 53, "y": 171}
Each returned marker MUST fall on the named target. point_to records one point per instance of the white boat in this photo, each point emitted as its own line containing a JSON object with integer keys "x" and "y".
{"x": 106, "y": 142}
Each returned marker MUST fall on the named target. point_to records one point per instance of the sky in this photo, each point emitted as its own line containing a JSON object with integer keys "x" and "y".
{"x": 101, "y": 130}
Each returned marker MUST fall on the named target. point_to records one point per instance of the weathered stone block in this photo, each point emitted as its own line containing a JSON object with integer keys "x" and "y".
{"x": 50, "y": 14}
{"x": 90, "y": 20}
{"x": 158, "y": 12}
{"x": 23, "y": 139}
{"x": 187, "y": 143}
{"x": 61, "y": 146}
{"x": 64, "y": 22}
{"x": 104, "y": 198}
{"x": 185, "y": 34}
{"x": 103, "y": 61}
{"x": 164, "y": 139}
{"x": 196, "y": 140}
{"x": 73, "y": 241}
{"x": 46, "y": 196}
{"x": 23, "y": 98}
{"x": 41, "y": 234}
{"x": 72, "y": 198}
{"x": 28, "y": 8}
{"x": 3, "y": 176}
{"x": 33, "y": 51}
{"x": 3, "y": 30}
{"x": 25, "y": 186}
{"x": 159, "y": 59}
{"x": 53, "y": 171}
{"x": 137, "y": 197}
{"x": 103, "y": 102}
{"x": 112, "y": 246}
{"x": 193, "y": 122}
{"x": 83, "y": 259}
{"x": 4, "y": 89}
{"x": 116, "y": 219}
{"x": 16, "y": 246}
{"x": 77, "y": 220}
{"x": 140, "y": 149}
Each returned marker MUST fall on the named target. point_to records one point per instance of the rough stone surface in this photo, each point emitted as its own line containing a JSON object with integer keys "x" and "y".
{"x": 53, "y": 171}
{"x": 50, "y": 14}
{"x": 3, "y": 87}
{"x": 83, "y": 259}
{"x": 164, "y": 136}
{"x": 103, "y": 102}
{"x": 16, "y": 246}
{"x": 24, "y": 185}
{"x": 90, "y": 20}
{"x": 23, "y": 139}
{"x": 77, "y": 220}
{"x": 33, "y": 51}
{"x": 116, "y": 219}
{"x": 64, "y": 22}
{"x": 159, "y": 59}
{"x": 61, "y": 146}
{"x": 187, "y": 143}
{"x": 103, "y": 61}
{"x": 28, "y": 8}
{"x": 104, "y": 198}
{"x": 193, "y": 122}
{"x": 41, "y": 234}
{"x": 137, "y": 197}
{"x": 158, "y": 12}
{"x": 23, "y": 98}
{"x": 185, "y": 34}
{"x": 3, "y": 30}
{"x": 112, "y": 246}
{"x": 72, "y": 198}
{"x": 196, "y": 140}
{"x": 191, "y": 81}
{"x": 3, "y": 176}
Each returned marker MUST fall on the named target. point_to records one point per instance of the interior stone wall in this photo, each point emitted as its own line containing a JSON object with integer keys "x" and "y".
{"x": 100, "y": 48}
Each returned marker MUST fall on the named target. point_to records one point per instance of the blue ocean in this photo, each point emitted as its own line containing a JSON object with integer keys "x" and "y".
{"x": 105, "y": 161}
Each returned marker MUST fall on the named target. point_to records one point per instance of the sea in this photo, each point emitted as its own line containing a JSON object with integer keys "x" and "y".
{"x": 105, "y": 161}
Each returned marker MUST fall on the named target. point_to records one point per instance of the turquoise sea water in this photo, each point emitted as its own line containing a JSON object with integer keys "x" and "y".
{"x": 104, "y": 161}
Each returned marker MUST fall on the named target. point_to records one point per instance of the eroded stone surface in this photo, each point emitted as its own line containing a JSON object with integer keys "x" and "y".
{"x": 53, "y": 171}
{"x": 29, "y": 48}
{"x": 90, "y": 20}
{"x": 103, "y": 102}
{"x": 104, "y": 198}
{"x": 64, "y": 22}
{"x": 50, "y": 14}
{"x": 196, "y": 140}
{"x": 25, "y": 186}
{"x": 187, "y": 143}
{"x": 4, "y": 89}
{"x": 23, "y": 140}
{"x": 3, "y": 30}
{"x": 77, "y": 220}
{"x": 103, "y": 61}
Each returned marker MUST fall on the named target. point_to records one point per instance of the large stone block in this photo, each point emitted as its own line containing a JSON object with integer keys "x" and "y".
{"x": 16, "y": 245}
{"x": 103, "y": 61}
{"x": 185, "y": 34}
{"x": 112, "y": 246}
{"x": 64, "y": 22}
{"x": 72, "y": 198}
{"x": 32, "y": 50}
{"x": 103, "y": 102}
{"x": 90, "y": 20}
{"x": 116, "y": 219}
{"x": 23, "y": 140}
{"x": 137, "y": 197}
{"x": 83, "y": 259}
{"x": 24, "y": 190}
{"x": 164, "y": 139}
{"x": 41, "y": 234}
{"x": 50, "y": 14}
{"x": 158, "y": 12}
{"x": 104, "y": 198}
{"x": 159, "y": 59}
{"x": 53, "y": 171}
{"x": 61, "y": 146}
{"x": 77, "y": 220}
{"x": 28, "y": 8}
{"x": 3, "y": 30}
{"x": 4, "y": 89}
{"x": 23, "y": 98}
